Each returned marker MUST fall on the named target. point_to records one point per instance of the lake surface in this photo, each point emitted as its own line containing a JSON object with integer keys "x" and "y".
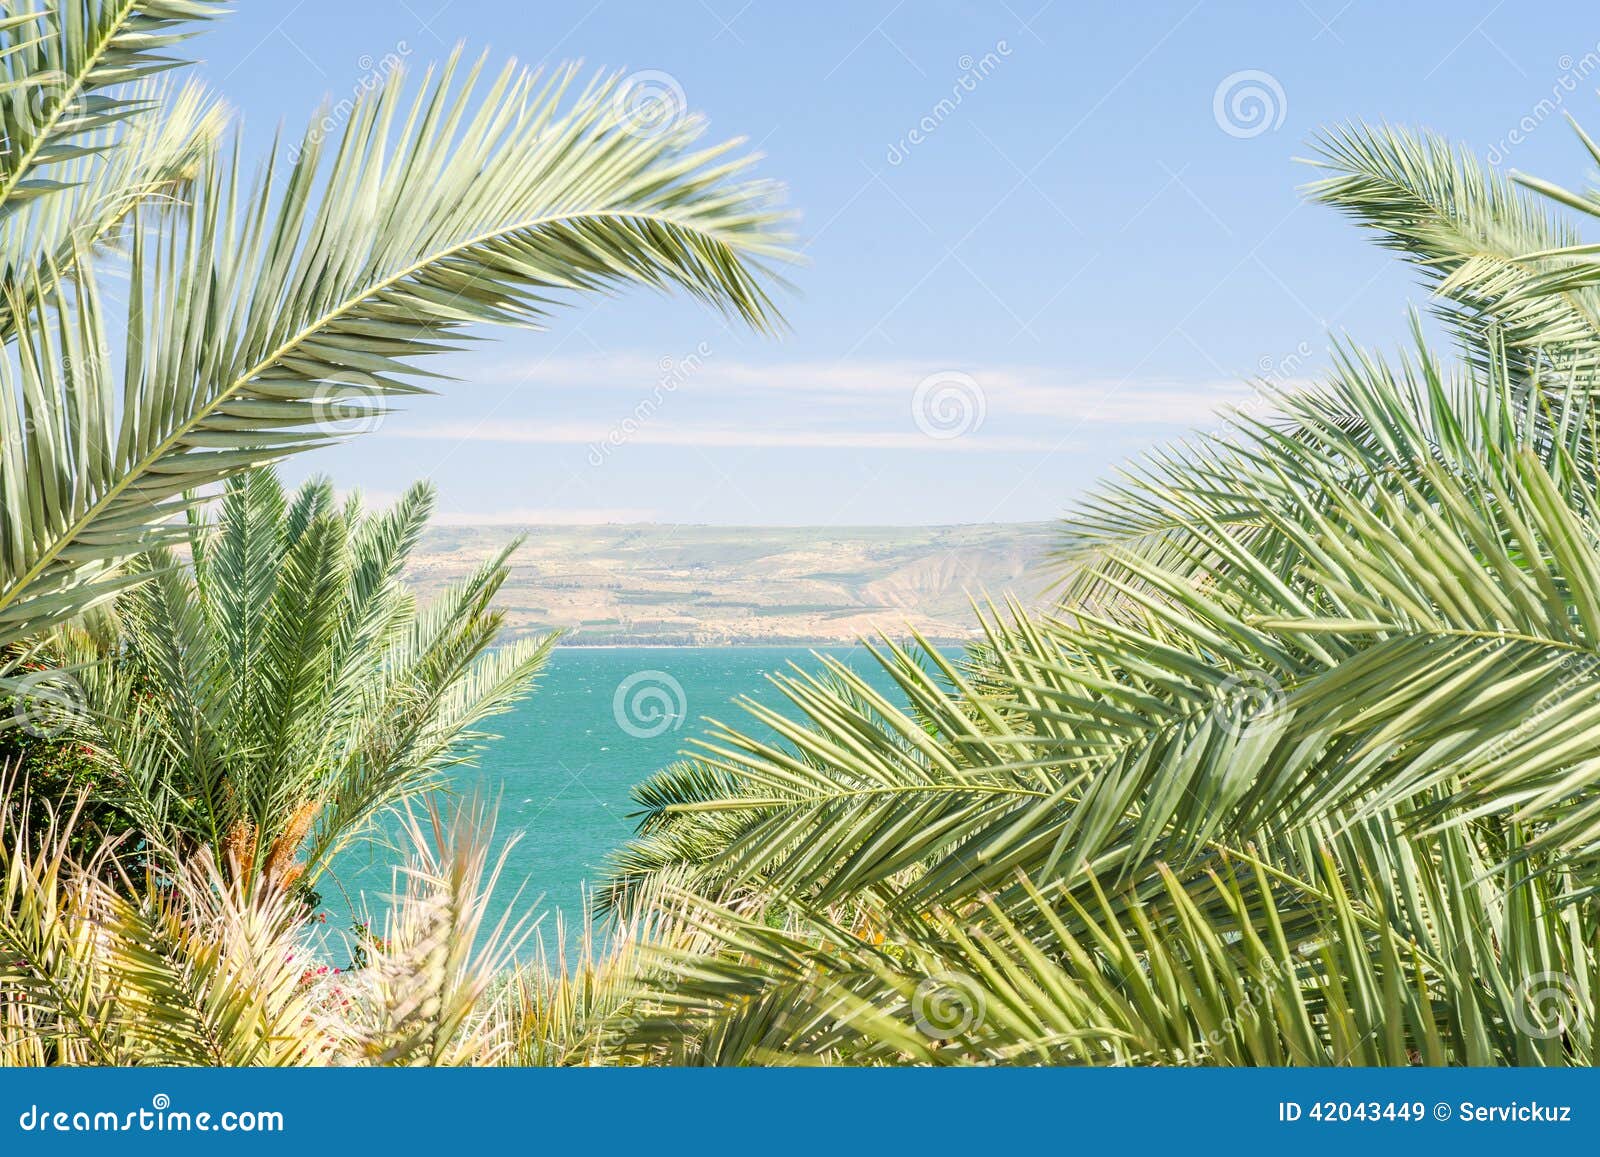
{"x": 600, "y": 721}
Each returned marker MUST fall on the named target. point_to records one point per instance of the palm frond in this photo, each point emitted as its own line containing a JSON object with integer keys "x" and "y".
{"x": 284, "y": 682}
{"x": 262, "y": 327}
{"x": 1480, "y": 239}
{"x": 67, "y": 73}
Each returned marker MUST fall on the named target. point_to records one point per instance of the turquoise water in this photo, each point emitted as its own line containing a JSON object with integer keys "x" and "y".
{"x": 600, "y": 721}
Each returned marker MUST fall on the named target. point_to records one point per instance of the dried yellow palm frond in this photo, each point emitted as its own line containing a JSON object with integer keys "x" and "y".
{"x": 208, "y": 973}
{"x": 551, "y": 1011}
{"x": 51, "y": 1009}
{"x": 192, "y": 968}
{"x": 581, "y": 1004}
{"x": 421, "y": 998}
{"x": 203, "y": 967}
{"x": 561, "y": 1008}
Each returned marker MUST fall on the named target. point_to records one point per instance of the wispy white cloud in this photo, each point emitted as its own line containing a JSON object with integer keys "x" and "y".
{"x": 685, "y": 401}
{"x": 547, "y": 516}
{"x": 660, "y": 433}
{"x": 1021, "y": 390}
{"x": 516, "y": 515}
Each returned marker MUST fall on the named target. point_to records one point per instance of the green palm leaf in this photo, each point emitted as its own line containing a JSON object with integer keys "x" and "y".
{"x": 67, "y": 69}
{"x": 283, "y": 691}
{"x": 263, "y": 326}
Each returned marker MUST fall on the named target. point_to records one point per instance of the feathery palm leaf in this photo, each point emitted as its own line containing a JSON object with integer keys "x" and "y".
{"x": 67, "y": 73}
{"x": 266, "y": 313}
{"x": 1480, "y": 239}
{"x": 285, "y": 690}
{"x": 1401, "y": 957}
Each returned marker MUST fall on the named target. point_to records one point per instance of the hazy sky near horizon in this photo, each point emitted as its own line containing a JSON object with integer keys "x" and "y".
{"x": 1039, "y": 237}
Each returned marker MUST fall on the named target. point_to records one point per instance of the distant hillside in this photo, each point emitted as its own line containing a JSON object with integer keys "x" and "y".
{"x": 709, "y": 585}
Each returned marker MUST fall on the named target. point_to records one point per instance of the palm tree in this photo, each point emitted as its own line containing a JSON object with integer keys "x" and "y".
{"x": 286, "y": 688}
{"x": 1303, "y": 768}
{"x": 172, "y": 320}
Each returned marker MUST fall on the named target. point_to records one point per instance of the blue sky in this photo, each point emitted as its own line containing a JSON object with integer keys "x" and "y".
{"x": 1079, "y": 258}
